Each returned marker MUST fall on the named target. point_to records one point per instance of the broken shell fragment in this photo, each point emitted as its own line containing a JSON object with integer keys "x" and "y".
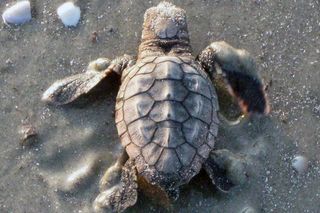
{"x": 69, "y": 14}
{"x": 27, "y": 135}
{"x": 19, "y": 13}
{"x": 300, "y": 164}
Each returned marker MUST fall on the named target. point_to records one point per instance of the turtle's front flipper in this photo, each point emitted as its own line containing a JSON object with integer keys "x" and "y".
{"x": 239, "y": 71}
{"x": 122, "y": 195}
{"x": 226, "y": 169}
{"x": 69, "y": 89}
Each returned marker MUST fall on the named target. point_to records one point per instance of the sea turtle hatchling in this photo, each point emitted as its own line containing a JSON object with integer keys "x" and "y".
{"x": 166, "y": 107}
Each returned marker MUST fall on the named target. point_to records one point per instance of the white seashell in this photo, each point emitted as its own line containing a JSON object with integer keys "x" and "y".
{"x": 19, "y": 13}
{"x": 300, "y": 164}
{"x": 69, "y": 14}
{"x": 248, "y": 209}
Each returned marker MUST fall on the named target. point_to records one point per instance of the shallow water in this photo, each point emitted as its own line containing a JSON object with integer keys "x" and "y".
{"x": 282, "y": 36}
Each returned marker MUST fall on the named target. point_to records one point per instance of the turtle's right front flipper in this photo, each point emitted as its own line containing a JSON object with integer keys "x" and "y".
{"x": 238, "y": 68}
{"x": 69, "y": 89}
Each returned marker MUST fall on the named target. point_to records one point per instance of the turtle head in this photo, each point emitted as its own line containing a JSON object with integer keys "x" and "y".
{"x": 165, "y": 25}
{"x": 165, "y": 21}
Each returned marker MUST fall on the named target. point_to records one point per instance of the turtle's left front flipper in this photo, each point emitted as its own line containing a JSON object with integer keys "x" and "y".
{"x": 70, "y": 88}
{"x": 239, "y": 71}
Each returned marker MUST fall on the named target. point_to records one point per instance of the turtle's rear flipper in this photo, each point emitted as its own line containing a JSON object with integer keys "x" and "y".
{"x": 226, "y": 169}
{"x": 69, "y": 89}
{"x": 217, "y": 176}
{"x": 239, "y": 71}
{"x": 121, "y": 196}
